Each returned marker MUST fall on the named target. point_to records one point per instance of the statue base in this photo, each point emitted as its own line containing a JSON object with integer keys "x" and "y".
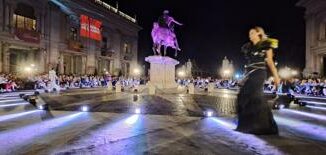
{"x": 162, "y": 71}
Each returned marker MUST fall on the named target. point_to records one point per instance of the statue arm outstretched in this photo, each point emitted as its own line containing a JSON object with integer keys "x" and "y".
{"x": 177, "y": 22}
{"x": 174, "y": 21}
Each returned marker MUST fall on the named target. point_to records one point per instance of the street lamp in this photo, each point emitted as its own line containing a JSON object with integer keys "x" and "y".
{"x": 287, "y": 72}
{"x": 136, "y": 71}
{"x": 226, "y": 73}
{"x": 294, "y": 73}
{"x": 237, "y": 76}
{"x": 28, "y": 69}
{"x": 181, "y": 73}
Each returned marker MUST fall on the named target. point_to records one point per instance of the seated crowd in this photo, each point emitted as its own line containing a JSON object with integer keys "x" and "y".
{"x": 10, "y": 82}
{"x": 311, "y": 87}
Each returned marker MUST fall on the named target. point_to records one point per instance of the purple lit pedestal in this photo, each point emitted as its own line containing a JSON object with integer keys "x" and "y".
{"x": 162, "y": 71}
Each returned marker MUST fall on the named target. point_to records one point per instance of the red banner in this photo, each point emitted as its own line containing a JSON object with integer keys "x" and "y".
{"x": 90, "y": 28}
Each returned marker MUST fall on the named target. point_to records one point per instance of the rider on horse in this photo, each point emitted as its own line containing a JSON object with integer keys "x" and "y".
{"x": 166, "y": 21}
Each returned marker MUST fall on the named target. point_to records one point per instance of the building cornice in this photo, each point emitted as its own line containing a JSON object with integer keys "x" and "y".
{"x": 105, "y": 11}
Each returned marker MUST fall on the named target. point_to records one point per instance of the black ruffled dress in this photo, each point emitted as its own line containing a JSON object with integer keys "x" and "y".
{"x": 254, "y": 114}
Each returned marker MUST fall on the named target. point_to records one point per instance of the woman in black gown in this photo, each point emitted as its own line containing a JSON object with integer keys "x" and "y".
{"x": 254, "y": 114}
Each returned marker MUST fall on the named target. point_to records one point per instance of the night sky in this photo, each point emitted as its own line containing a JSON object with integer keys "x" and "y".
{"x": 216, "y": 28}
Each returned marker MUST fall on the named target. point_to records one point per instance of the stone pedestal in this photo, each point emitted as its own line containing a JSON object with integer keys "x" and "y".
{"x": 151, "y": 88}
{"x": 110, "y": 87}
{"x": 118, "y": 87}
{"x": 162, "y": 71}
{"x": 210, "y": 87}
{"x": 191, "y": 88}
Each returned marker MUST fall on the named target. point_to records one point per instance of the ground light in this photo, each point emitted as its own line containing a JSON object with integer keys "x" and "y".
{"x": 209, "y": 113}
{"x": 279, "y": 106}
{"x": 40, "y": 107}
{"x": 12, "y": 105}
{"x": 319, "y": 108}
{"x": 84, "y": 108}
{"x": 137, "y": 111}
{"x": 43, "y": 107}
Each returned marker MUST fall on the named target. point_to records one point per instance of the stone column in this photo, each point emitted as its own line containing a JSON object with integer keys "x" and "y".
{"x": 91, "y": 58}
{"x": 319, "y": 64}
{"x": 42, "y": 25}
{"x": 30, "y": 57}
{"x": 41, "y": 60}
{"x": 116, "y": 46}
{"x": 1, "y": 56}
{"x": 6, "y": 55}
{"x": 11, "y": 15}
{"x": 309, "y": 43}
{"x": 46, "y": 60}
{"x": 111, "y": 66}
{"x": 1, "y": 15}
{"x": 61, "y": 68}
{"x": 38, "y": 16}
{"x": 6, "y": 16}
{"x": 83, "y": 65}
{"x": 72, "y": 66}
{"x": 134, "y": 52}
{"x": 54, "y": 37}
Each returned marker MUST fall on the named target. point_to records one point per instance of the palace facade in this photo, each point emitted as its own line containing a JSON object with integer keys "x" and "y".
{"x": 71, "y": 36}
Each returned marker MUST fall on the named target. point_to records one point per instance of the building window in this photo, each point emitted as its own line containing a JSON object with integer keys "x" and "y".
{"x": 126, "y": 48}
{"x": 24, "y": 22}
{"x": 24, "y": 17}
{"x": 73, "y": 33}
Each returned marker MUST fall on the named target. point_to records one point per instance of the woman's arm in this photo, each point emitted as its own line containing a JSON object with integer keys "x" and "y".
{"x": 271, "y": 65}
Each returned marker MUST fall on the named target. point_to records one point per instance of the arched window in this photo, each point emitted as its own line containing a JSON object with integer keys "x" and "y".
{"x": 24, "y": 17}
{"x": 126, "y": 48}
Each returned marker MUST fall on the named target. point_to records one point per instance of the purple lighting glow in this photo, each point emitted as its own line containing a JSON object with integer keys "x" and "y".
{"x": 227, "y": 124}
{"x": 313, "y": 107}
{"x": 314, "y": 102}
{"x": 116, "y": 129}
{"x": 15, "y": 104}
{"x": 10, "y": 100}
{"x": 11, "y": 116}
{"x": 22, "y": 136}
{"x": 132, "y": 120}
{"x": 226, "y": 129}
{"x": 316, "y": 116}
{"x": 306, "y": 130}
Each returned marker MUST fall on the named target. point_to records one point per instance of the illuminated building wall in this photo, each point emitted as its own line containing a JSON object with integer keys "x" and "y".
{"x": 49, "y": 35}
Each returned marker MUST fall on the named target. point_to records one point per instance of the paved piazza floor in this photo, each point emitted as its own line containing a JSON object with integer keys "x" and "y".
{"x": 169, "y": 124}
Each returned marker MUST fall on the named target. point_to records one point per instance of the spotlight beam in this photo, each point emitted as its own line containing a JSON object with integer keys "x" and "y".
{"x": 15, "y": 104}
{"x": 11, "y": 116}
{"x": 311, "y": 115}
